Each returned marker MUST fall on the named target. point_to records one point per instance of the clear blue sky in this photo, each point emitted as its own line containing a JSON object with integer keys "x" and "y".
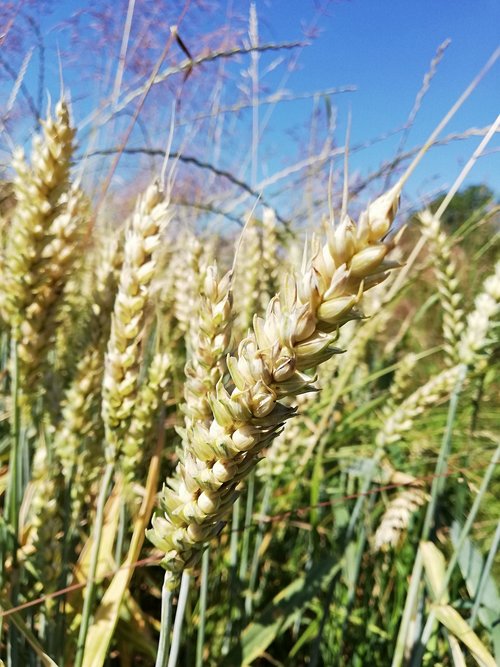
{"x": 384, "y": 47}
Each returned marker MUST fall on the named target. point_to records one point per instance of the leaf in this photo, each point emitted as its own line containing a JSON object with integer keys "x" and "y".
{"x": 456, "y": 652}
{"x": 471, "y": 566}
{"x": 106, "y": 561}
{"x": 102, "y": 629}
{"x": 435, "y": 568}
{"x": 15, "y": 619}
{"x": 455, "y": 624}
{"x": 281, "y": 613}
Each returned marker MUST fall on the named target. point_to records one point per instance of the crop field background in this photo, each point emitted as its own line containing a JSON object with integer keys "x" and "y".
{"x": 249, "y": 351}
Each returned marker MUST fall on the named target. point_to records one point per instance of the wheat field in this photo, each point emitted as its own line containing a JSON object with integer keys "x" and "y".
{"x": 271, "y": 446}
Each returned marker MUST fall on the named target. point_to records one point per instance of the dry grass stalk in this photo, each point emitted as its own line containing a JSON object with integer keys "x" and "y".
{"x": 296, "y": 334}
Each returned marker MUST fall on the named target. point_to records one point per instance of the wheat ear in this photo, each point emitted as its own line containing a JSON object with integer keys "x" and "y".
{"x": 397, "y": 516}
{"x": 38, "y": 191}
{"x": 447, "y": 283}
{"x": 123, "y": 356}
{"x": 296, "y": 334}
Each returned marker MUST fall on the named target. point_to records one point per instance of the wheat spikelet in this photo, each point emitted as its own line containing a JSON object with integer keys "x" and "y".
{"x": 45, "y": 524}
{"x": 248, "y": 276}
{"x": 398, "y": 514}
{"x": 151, "y": 392}
{"x": 476, "y": 337}
{"x": 295, "y": 334}
{"x": 402, "y": 418}
{"x": 207, "y": 363}
{"x": 122, "y": 362}
{"x": 38, "y": 192}
{"x": 447, "y": 283}
{"x": 57, "y": 259}
{"x": 188, "y": 277}
{"x": 269, "y": 283}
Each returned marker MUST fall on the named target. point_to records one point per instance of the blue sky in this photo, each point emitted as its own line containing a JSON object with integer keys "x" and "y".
{"x": 383, "y": 47}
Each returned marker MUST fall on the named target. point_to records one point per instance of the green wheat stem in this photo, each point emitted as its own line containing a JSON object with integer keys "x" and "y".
{"x": 436, "y": 487}
{"x": 429, "y": 625}
{"x": 15, "y": 484}
{"x": 200, "y": 640}
{"x": 484, "y": 575}
{"x": 165, "y": 626}
{"x": 245, "y": 542}
{"x": 254, "y": 567}
{"x": 94, "y": 559}
{"x": 233, "y": 562}
{"x": 179, "y": 620}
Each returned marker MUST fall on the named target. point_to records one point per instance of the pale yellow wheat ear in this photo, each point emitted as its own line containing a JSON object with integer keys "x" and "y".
{"x": 77, "y": 442}
{"x": 124, "y": 352}
{"x": 297, "y": 333}
{"x": 207, "y": 363}
{"x": 445, "y": 270}
{"x": 43, "y": 314}
{"x": 152, "y": 393}
{"x": 248, "y": 275}
{"x": 473, "y": 343}
{"x": 398, "y": 514}
{"x": 44, "y": 523}
{"x": 38, "y": 189}
{"x": 42, "y": 243}
{"x": 269, "y": 269}
{"x": 480, "y": 323}
{"x": 188, "y": 277}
